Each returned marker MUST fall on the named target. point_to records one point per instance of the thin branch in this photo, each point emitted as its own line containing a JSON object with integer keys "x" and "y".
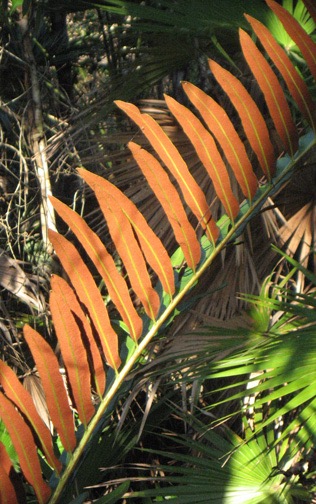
{"x": 38, "y": 139}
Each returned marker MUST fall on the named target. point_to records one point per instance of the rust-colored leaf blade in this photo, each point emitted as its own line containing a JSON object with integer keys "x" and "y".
{"x": 15, "y": 391}
{"x": 273, "y": 93}
{"x": 130, "y": 252}
{"x": 222, "y": 128}
{"x": 311, "y": 7}
{"x": 171, "y": 157}
{"x": 89, "y": 295}
{"x": 154, "y": 251}
{"x": 115, "y": 283}
{"x": 7, "y": 490}
{"x": 293, "y": 80}
{"x": 252, "y": 120}
{"x": 170, "y": 201}
{"x": 25, "y": 447}
{"x": 54, "y": 388}
{"x": 74, "y": 354}
{"x": 306, "y": 45}
{"x": 5, "y": 461}
{"x": 208, "y": 153}
{"x": 97, "y": 366}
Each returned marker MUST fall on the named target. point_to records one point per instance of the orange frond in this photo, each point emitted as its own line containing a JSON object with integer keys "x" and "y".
{"x": 54, "y": 388}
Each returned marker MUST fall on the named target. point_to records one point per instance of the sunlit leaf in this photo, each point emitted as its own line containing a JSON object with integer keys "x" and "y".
{"x": 15, "y": 391}
{"x": 222, "y": 128}
{"x": 293, "y": 79}
{"x": 72, "y": 348}
{"x": 122, "y": 234}
{"x": 170, "y": 201}
{"x": 25, "y": 447}
{"x": 252, "y": 120}
{"x": 208, "y": 153}
{"x": 81, "y": 318}
{"x": 297, "y": 33}
{"x": 94, "y": 354}
{"x": 104, "y": 263}
{"x": 54, "y": 387}
{"x": 171, "y": 157}
{"x": 152, "y": 248}
{"x": 273, "y": 93}
{"x": 89, "y": 295}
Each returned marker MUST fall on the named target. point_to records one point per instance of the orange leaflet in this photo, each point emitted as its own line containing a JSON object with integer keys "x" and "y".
{"x": 152, "y": 248}
{"x": 222, "y": 128}
{"x": 73, "y": 351}
{"x": 93, "y": 352}
{"x": 105, "y": 265}
{"x": 171, "y": 157}
{"x": 298, "y": 34}
{"x": 170, "y": 200}
{"x": 252, "y": 120}
{"x": 208, "y": 153}
{"x": 54, "y": 388}
{"x": 7, "y": 490}
{"x": 130, "y": 252}
{"x": 25, "y": 447}
{"x": 15, "y": 391}
{"x": 294, "y": 81}
{"x": 89, "y": 296}
{"x": 273, "y": 93}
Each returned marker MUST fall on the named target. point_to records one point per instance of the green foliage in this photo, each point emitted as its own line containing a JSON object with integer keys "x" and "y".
{"x": 273, "y": 459}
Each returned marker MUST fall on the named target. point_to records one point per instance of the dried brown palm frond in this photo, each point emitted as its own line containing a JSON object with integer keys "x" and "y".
{"x": 32, "y": 383}
{"x": 14, "y": 279}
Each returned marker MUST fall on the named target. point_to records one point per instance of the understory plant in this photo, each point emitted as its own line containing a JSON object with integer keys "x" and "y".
{"x": 263, "y": 448}
{"x": 101, "y": 344}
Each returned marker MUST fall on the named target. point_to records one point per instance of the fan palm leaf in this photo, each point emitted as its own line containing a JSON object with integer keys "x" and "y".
{"x": 268, "y": 365}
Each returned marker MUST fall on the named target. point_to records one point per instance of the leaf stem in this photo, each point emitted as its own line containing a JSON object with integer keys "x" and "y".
{"x": 270, "y": 188}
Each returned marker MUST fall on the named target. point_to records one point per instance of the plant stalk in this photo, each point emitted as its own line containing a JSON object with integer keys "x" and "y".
{"x": 37, "y": 135}
{"x": 153, "y": 331}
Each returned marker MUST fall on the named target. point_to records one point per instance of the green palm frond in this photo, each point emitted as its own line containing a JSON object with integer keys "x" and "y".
{"x": 222, "y": 469}
{"x": 267, "y": 370}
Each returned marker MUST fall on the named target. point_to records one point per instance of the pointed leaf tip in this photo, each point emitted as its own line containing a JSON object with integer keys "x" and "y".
{"x": 73, "y": 351}
{"x": 89, "y": 295}
{"x": 304, "y": 42}
{"x": 125, "y": 221}
{"x": 170, "y": 201}
{"x": 15, "y": 391}
{"x": 295, "y": 83}
{"x": 53, "y": 385}
{"x": 252, "y": 120}
{"x": 274, "y": 96}
{"x": 25, "y": 447}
